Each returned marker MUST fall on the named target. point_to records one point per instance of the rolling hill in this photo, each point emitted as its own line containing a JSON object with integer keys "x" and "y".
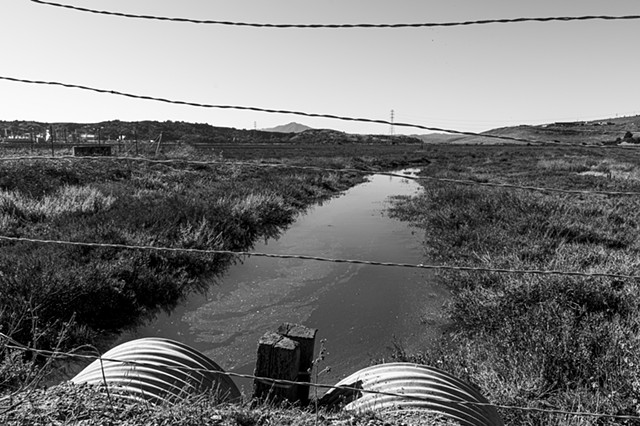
{"x": 597, "y": 132}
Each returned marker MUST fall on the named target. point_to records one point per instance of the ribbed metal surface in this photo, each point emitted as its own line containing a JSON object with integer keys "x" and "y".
{"x": 422, "y": 387}
{"x": 161, "y": 378}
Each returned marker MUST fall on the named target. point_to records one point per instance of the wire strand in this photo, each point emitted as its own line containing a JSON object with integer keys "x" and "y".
{"x": 323, "y": 259}
{"x": 288, "y": 112}
{"x": 65, "y": 355}
{"x": 345, "y": 26}
{"x": 467, "y": 182}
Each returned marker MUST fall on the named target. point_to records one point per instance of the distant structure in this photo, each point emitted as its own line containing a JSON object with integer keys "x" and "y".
{"x": 391, "y": 121}
{"x": 569, "y": 123}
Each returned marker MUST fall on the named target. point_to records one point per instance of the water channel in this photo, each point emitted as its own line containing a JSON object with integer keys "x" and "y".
{"x": 359, "y": 310}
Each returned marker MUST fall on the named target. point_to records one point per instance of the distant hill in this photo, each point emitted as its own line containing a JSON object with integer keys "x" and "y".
{"x": 622, "y": 130}
{"x": 288, "y": 128}
{"x": 182, "y": 132}
{"x": 596, "y": 132}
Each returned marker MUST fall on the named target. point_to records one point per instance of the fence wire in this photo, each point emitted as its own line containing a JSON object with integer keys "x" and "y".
{"x": 323, "y": 259}
{"x": 61, "y": 355}
{"x": 346, "y": 26}
{"x": 65, "y": 355}
{"x": 467, "y": 182}
{"x": 551, "y": 142}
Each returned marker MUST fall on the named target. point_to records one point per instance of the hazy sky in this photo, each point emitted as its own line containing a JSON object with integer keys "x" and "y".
{"x": 467, "y": 78}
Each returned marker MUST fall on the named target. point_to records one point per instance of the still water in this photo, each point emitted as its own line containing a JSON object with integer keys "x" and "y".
{"x": 359, "y": 310}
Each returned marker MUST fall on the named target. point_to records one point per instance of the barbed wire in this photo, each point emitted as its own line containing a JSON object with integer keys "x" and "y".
{"x": 323, "y": 259}
{"x": 336, "y": 26}
{"x": 468, "y": 182}
{"x": 553, "y": 142}
{"x": 530, "y": 188}
{"x": 330, "y": 116}
{"x": 61, "y": 355}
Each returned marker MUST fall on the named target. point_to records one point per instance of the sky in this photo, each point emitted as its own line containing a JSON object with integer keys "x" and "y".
{"x": 471, "y": 78}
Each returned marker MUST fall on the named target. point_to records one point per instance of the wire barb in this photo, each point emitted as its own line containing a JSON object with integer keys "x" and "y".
{"x": 346, "y": 26}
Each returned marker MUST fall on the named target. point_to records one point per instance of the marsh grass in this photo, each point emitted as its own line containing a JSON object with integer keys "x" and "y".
{"x": 91, "y": 292}
{"x": 571, "y": 343}
{"x": 183, "y": 206}
{"x": 526, "y": 340}
{"x": 67, "y": 200}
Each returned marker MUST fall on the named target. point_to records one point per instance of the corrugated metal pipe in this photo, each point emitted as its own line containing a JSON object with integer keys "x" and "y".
{"x": 158, "y": 370}
{"x": 417, "y": 387}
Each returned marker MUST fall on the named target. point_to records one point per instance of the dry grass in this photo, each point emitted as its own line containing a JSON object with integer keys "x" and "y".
{"x": 69, "y": 404}
{"x": 565, "y": 342}
{"x": 67, "y": 200}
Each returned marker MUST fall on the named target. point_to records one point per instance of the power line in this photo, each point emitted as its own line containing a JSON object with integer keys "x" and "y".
{"x": 359, "y": 25}
{"x": 468, "y": 182}
{"x": 62, "y": 355}
{"x": 322, "y": 259}
{"x": 279, "y": 111}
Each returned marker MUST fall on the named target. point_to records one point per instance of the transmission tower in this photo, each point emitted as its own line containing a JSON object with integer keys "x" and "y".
{"x": 391, "y": 127}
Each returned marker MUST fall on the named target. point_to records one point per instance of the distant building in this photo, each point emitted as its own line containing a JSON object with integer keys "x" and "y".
{"x": 18, "y": 138}
{"x": 569, "y": 123}
{"x": 88, "y": 137}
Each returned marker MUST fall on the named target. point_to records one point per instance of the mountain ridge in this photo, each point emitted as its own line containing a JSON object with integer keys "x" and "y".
{"x": 291, "y": 127}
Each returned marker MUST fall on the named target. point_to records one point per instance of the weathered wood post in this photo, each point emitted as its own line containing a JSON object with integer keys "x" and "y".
{"x": 159, "y": 143}
{"x": 306, "y": 338}
{"x": 135, "y": 135}
{"x": 286, "y": 355}
{"x": 278, "y": 358}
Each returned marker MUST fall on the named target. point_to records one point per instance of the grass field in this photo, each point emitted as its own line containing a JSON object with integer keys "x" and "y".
{"x": 63, "y": 297}
{"x": 531, "y": 340}
{"x": 540, "y": 341}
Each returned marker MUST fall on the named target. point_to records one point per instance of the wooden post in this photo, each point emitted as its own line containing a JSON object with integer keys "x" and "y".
{"x": 52, "y": 139}
{"x": 306, "y": 338}
{"x": 135, "y": 135}
{"x": 278, "y": 358}
{"x": 159, "y": 143}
